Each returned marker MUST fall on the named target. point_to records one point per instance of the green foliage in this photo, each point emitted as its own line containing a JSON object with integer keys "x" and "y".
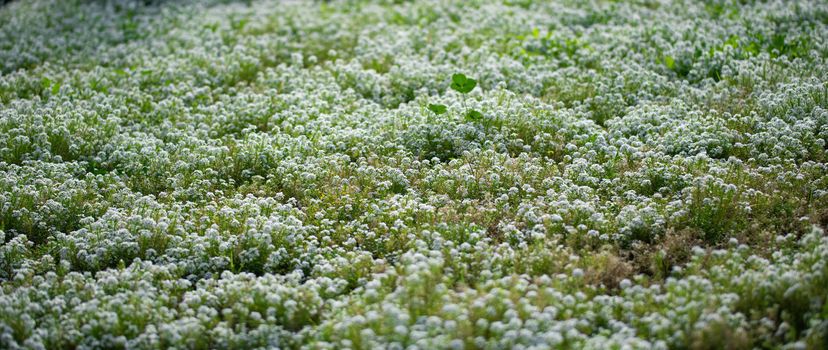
{"x": 474, "y": 116}
{"x": 462, "y": 83}
{"x": 438, "y": 109}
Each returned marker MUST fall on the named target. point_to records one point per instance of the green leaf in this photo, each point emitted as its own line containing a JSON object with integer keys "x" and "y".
{"x": 733, "y": 41}
{"x": 55, "y": 88}
{"x": 670, "y": 62}
{"x": 462, "y": 83}
{"x": 458, "y": 78}
{"x": 437, "y": 108}
{"x": 474, "y": 116}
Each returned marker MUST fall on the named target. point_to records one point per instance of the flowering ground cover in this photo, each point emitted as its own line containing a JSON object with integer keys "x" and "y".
{"x": 483, "y": 174}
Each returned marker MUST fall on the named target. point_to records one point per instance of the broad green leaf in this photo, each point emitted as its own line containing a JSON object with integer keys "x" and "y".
{"x": 437, "y": 108}
{"x": 474, "y": 116}
{"x": 462, "y": 83}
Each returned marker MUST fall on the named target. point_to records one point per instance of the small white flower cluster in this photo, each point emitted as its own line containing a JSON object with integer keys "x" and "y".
{"x": 263, "y": 174}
